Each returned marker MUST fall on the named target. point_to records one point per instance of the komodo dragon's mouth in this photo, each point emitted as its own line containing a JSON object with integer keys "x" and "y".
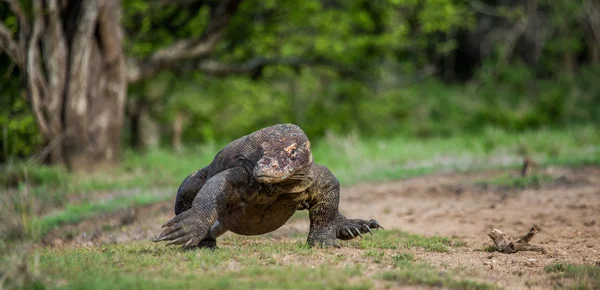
{"x": 270, "y": 179}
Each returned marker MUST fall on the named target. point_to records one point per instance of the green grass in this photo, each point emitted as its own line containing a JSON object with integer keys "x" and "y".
{"x": 407, "y": 271}
{"x": 403, "y": 258}
{"x": 424, "y": 274}
{"x": 394, "y": 239}
{"x": 240, "y": 263}
{"x": 152, "y": 266}
{"x": 354, "y": 160}
{"x": 376, "y": 255}
{"x": 584, "y": 276}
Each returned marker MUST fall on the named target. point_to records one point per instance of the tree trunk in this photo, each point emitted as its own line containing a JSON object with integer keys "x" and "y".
{"x": 149, "y": 134}
{"x": 144, "y": 131}
{"x": 75, "y": 74}
{"x": 71, "y": 55}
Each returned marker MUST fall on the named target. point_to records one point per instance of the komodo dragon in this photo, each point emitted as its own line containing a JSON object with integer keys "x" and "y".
{"x": 253, "y": 186}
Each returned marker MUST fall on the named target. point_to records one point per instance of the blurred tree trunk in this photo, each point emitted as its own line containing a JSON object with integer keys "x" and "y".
{"x": 74, "y": 70}
{"x": 178, "y": 131}
{"x": 149, "y": 134}
{"x": 143, "y": 129}
{"x": 594, "y": 55}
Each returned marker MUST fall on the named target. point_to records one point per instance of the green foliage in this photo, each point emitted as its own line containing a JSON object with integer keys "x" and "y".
{"x": 351, "y": 33}
{"x": 342, "y": 42}
{"x": 152, "y": 26}
{"x": 376, "y": 43}
{"x": 19, "y": 135}
{"x": 511, "y": 99}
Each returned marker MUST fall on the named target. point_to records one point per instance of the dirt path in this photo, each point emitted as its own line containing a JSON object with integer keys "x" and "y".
{"x": 444, "y": 204}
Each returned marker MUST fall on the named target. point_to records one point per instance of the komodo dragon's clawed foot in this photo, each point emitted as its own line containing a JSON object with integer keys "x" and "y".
{"x": 352, "y": 228}
{"x": 184, "y": 229}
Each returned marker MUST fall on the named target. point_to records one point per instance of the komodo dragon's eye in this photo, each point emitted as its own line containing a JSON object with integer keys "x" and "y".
{"x": 291, "y": 150}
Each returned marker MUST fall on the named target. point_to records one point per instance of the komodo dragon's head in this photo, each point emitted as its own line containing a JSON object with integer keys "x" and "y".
{"x": 286, "y": 154}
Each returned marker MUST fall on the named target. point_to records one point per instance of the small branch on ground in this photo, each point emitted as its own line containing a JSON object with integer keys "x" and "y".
{"x": 528, "y": 165}
{"x": 522, "y": 244}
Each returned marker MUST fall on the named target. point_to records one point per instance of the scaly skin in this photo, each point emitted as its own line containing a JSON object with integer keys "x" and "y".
{"x": 253, "y": 186}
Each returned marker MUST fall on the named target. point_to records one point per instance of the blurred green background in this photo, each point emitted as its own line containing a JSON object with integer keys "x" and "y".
{"x": 426, "y": 68}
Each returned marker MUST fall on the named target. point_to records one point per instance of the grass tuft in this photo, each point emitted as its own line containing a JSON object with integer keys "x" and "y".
{"x": 394, "y": 239}
{"x": 584, "y": 276}
{"x": 402, "y": 259}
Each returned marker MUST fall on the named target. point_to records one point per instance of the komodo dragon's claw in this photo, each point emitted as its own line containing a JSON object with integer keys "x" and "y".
{"x": 358, "y": 232}
{"x": 375, "y": 225}
{"x": 351, "y": 228}
{"x": 350, "y": 232}
{"x": 366, "y": 228}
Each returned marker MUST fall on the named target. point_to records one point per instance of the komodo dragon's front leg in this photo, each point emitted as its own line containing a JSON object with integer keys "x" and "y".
{"x": 326, "y": 223}
{"x": 186, "y": 193}
{"x": 192, "y": 226}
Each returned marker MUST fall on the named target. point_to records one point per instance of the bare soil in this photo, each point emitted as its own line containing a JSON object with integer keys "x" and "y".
{"x": 453, "y": 205}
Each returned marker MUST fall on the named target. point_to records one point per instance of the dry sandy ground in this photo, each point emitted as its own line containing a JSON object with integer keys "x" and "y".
{"x": 440, "y": 204}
